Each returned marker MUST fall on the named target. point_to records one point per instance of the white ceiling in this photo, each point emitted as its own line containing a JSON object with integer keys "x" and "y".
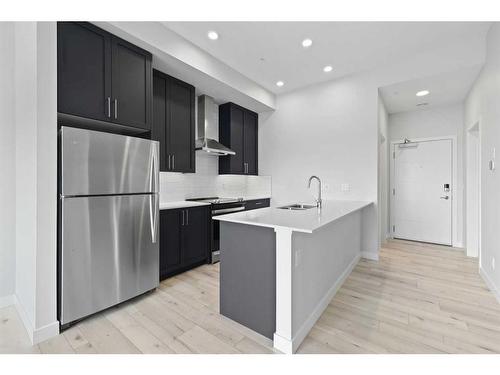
{"x": 349, "y": 47}
{"x": 444, "y": 89}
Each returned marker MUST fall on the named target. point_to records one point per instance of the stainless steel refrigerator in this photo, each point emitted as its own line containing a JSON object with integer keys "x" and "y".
{"x": 108, "y": 220}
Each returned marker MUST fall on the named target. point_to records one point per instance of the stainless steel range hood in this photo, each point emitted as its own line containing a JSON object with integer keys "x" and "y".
{"x": 208, "y": 128}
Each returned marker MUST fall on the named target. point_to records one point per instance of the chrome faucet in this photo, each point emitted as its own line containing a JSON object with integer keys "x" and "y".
{"x": 318, "y": 200}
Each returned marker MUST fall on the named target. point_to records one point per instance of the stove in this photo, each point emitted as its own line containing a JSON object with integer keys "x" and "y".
{"x": 220, "y": 206}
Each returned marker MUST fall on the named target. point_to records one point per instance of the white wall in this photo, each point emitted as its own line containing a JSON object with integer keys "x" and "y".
{"x": 25, "y": 107}
{"x": 482, "y": 104}
{"x": 36, "y": 177}
{"x": 383, "y": 171}
{"x": 330, "y": 129}
{"x": 437, "y": 122}
{"x": 7, "y": 165}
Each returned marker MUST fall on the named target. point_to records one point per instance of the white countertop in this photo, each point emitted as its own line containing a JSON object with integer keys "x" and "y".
{"x": 181, "y": 204}
{"x": 305, "y": 221}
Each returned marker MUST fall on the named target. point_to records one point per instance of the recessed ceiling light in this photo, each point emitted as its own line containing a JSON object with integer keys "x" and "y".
{"x": 280, "y": 83}
{"x": 306, "y": 43}
{"x": 327, "y": 69}
{"x": 423, "y": 93}
{"x": 212, "y": 35}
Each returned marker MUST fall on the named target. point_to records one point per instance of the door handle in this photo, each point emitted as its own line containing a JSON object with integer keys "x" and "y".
{"x": 173, "y": 161}
{"x": 183, "y": 213}
{"x": 187, "y": 217}
{"x": 445, "y": 197}
{"x": 116, "y": 109}
{"x": 169, "y": 161}
{"x": 109, "y": 106}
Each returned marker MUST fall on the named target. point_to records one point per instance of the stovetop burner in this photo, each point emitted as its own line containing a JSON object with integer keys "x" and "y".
{"x": 216, "y": 200}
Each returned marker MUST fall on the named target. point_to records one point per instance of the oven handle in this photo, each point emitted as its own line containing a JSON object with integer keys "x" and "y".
{"x": 227, "y": 210}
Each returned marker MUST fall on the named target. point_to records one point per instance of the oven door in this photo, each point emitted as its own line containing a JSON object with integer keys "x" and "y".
{"x": 221, "y": 209}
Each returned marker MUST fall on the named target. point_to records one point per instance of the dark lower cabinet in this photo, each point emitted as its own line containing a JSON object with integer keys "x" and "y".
{"x": 196, "y": 234}
{"x": 170, "y": 242}
{"x": 184, "y": 239}
{"x": 174, "y": 123}
{"x": 257, "y": 203}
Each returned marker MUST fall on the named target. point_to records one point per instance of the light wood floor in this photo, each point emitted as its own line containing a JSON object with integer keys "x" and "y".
{"x": 418, "y": 298}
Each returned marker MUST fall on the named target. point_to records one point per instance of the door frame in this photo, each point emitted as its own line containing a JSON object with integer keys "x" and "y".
{"x": 455, "y": 242}
{"x": 473, "y": 164}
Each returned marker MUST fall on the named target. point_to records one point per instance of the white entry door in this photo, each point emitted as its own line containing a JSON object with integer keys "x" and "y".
{"x": 422, "y": 191}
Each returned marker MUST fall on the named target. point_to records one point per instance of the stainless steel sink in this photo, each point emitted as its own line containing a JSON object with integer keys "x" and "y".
{"x": 297, "y": 206}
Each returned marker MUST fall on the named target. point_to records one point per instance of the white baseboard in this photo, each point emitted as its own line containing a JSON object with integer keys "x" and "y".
{"x": 370, "y": 255}
{"x": 39, "y": 334}
{"x": 490, "y": 284}
{"x": 282, "y": 344}
{"x": 46, "y": 332}
{"x": 24, "y": 318}
{"x": 7, "y": 301}
{"x": 318, "y": 310}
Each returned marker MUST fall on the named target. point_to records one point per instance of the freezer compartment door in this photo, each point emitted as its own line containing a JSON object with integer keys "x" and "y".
{"x": 109, "y": 252}
{"x": 97, "y": 163}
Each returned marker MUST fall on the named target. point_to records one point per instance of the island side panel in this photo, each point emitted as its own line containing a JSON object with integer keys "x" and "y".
{"x": 322, "y": 261}
{"x": 248, "y": 276}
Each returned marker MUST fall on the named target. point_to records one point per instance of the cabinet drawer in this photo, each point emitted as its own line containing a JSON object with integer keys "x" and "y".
{"x": 257, "y": 203}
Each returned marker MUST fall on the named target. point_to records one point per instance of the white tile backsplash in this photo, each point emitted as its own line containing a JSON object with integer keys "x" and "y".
{"x": 206, "y": 182}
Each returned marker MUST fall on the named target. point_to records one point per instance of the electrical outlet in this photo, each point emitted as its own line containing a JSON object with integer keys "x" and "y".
{"x": 345, "y": 188}
{"x": 493, "y": 263}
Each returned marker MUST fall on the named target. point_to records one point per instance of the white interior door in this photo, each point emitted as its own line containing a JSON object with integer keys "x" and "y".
{"x": 422, "y": 206}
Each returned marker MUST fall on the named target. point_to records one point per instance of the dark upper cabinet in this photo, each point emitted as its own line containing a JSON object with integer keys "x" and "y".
{"x": 159, "y": 130}
{"x": 174, "y": 122}
{"x": 238, "y": 130}
{"x": 184, "y": 239}
{"x": 131, "y": 85}
{"x": 250, "y": 142}
{"x": 83, "y": 70}
{"x": 102, "y": 77}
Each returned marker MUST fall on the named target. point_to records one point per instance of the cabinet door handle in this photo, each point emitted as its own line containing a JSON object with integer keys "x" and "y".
{"x": 187, "y": 217}
{"x": 116, "y": 108}
{"x": 169, "y": 160}
{"x": 182, "y": 217}
{"x": 109, "y": 106}
{"x": 173, "y": 161}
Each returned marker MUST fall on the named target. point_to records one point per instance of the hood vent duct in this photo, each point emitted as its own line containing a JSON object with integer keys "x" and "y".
{"x": 208, "y": 128}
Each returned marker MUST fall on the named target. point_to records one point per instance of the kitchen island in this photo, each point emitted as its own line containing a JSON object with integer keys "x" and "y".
{"x": 280, "y": 268}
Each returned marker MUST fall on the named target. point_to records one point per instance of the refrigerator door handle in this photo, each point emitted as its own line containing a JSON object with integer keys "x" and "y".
{"x": 156, "y": 168}
{"x": 153, "y": 169}
{"x": 153, "y": 216}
